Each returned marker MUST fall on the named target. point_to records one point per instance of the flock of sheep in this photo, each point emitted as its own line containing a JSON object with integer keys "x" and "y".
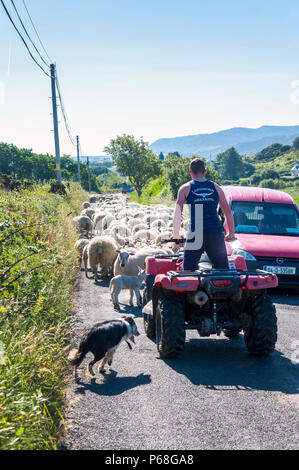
{"x": 117, "y": 236}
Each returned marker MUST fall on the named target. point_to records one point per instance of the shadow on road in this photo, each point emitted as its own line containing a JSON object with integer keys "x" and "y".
{"x": 102, "y": 282}
{"x": 285, "y": 296}
{"x": 221, "y": 364}
{"x": 113, "y": 385}
{"x": 133, "y": 310}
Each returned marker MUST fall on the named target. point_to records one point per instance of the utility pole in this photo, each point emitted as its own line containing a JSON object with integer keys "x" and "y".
{"x": 55, "y": 122}
{"x": 78, "y": 158}
{"x": 88, "y": 174}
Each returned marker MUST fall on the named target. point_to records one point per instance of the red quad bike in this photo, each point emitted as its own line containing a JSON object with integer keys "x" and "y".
{"x": 209, "y": 301}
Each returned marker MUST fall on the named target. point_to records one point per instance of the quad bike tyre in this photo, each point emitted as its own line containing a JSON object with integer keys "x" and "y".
{"x": 170, "y": 326}
{"x": 260, "y": 337}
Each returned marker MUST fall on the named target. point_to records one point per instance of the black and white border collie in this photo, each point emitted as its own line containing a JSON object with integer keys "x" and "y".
{"x": 102, "y": 340}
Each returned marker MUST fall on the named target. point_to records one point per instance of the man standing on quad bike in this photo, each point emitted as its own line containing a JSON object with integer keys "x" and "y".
{"x": 205, "y": 230}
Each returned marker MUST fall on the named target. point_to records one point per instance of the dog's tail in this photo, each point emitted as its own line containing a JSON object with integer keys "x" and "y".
{"x": 76, "y": 356}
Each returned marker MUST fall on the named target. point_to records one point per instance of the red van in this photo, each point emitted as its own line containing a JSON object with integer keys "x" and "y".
{"x": 267, "y": 231}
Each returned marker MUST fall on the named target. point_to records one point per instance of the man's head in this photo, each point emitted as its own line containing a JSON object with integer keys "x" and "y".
{"x": 197, "y": 168}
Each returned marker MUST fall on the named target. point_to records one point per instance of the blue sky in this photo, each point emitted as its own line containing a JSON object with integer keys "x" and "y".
{"x": 150, "y": 68}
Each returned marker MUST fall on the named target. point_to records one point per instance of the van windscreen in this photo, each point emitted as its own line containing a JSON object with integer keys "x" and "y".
{"x": 266, "y": 218}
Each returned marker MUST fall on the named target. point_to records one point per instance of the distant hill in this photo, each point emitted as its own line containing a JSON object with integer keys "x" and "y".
{"x": 246, "y": 141}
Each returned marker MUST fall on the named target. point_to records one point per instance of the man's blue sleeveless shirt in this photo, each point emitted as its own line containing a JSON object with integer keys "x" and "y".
{"x": 205, "y": 193}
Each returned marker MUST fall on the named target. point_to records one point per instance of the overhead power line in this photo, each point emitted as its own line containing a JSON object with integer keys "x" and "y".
{"x": 67, "y": 126}
{"x": 23, "y": 40}
{"x": 36, "y": 32}
{"x": 27, "y": 34}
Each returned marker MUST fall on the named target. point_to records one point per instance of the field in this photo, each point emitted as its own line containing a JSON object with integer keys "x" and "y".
{"x": 38, "y": 270}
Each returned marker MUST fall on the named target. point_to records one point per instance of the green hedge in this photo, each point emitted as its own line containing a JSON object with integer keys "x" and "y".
{"x": 38, "y": 268}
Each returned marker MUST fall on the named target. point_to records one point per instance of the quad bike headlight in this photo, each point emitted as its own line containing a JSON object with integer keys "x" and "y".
{"x": 246, "y": 255}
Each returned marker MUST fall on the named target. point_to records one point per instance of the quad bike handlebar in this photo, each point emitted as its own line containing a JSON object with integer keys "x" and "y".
{"x": 178, "y": 241}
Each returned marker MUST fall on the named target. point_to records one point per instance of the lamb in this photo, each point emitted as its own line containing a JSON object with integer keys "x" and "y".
{"x": 85, "y": 205}
{"x": 133, "y": 283}
{"x": 82, "y": 224}
{"x": 101, "y": 251}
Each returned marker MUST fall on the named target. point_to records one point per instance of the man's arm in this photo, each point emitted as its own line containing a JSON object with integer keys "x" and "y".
{"x": 227, "y": 212}
{"x": 177, "y": 218}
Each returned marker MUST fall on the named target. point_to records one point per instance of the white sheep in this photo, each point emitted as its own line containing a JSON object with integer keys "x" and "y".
{"x": 165, "y": 235}
{"x": 126, "y": 214}
{"x": 145, "y": 235}
{"x": 80, "y": 244}
{"x": 98, "y": 221}
{"x": 149, "y": 219}
{"x": 123, "y": 282}
{"x": 139, "y": 215}
{"x": 158, "y": 224}
{"x": 85, "y": 258}
{"x": 107, "y": 221}
{"x": 82, "y": 224}
{"x": 138, "y": 227}
{"x": 128, "y": 260}
{"x": 101, "y": 251}
{"x": 88, "y": 212}
{"x": 133, "y": 222}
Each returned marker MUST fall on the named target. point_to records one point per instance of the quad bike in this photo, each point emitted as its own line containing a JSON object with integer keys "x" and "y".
{"x": 209, "y": 301}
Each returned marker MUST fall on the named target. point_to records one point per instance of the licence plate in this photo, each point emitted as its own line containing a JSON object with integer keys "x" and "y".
{"x": 280, "y": 269}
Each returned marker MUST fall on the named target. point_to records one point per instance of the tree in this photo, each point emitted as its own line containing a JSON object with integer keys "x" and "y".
{"x": 248, "y": 169}
{"x": 269, "y": 174}
{"x": 94, "y": 186}
{"x": 296, "y": 143}
{"x": 272, "y": 151}
{"x": 230, "y": 164}
{"x": 111, "y": 181}
{"x": 161, "y": 157}
{"x": 176, "y": 154}
{"x": 134, "y": 159}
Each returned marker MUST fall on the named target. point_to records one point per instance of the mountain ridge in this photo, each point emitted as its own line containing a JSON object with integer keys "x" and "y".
{"x": 246, "y": 140}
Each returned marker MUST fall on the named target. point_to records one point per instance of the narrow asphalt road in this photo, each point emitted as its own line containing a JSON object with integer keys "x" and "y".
{"x": 216, "y": 396}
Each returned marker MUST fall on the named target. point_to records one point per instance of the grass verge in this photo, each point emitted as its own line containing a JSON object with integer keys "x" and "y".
{"x": 38, "y": 268}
